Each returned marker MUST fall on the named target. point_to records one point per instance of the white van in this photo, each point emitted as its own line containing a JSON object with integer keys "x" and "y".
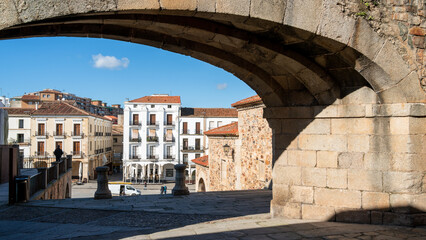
{"x": 125, "y": 189}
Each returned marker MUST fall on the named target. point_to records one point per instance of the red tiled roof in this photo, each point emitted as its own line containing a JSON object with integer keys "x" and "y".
{"x": 19, "y": 111}
{"x": 248, "y": 101}
{"x": 226, "y": 130}
{"x": 30, "y": 97}
{"x": 209, "y": 112}
{"x": 158, "y": 99}
{"x": 49, "y": 91}
{"x": 62, "y": 108}
{"x": 117, "y": 129}
{"x": 203, "y": 161}
{"x": 111, "y": 117}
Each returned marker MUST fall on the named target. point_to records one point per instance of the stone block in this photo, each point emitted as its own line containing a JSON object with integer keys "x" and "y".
{"x": 237, "y": 7}
{"x": 336, "y": 143}
{"x": 360, "y": 179}
{"x": 396, "y": 143}
{"x": 400, "y": 125}
{"x": 326, "y": 159}
{"x": 281, "y": 192}
{"x": 402, "y": 182}
{"x": 286, "y": 141}
{"x": 358, "y": 143}
{"x": 302, "y": 158}
{"x": 408, "y": 202}
{"x": 282, "y": 157}
{"x": 365, "y": 39}
{"x": 375, "y": 201}
{"x": 399, "y": 219}
{"x": 337, "y": 178}
{"x": 408, "y": 90}
{"x": 376, "y": 217}
{"x": 206, "y": 6}
{"x": 337, "y": 198}
{"x": 352, "y": 126}
{"x": 354, "y": 102}
{"x": 288, "y": 112}
{"x": 351, "y": 160}
{"x": 272, "y": 10}
{"x": 301, "y": 194}
{"x": 330, "y": 111}
{"x": 137, "y": 4}
{"x": 287, "y": 175}
{"x": 178, "y": 5}
{"x": 352, "y": 215}
{"x": 378, "y": 161}
{"x": 407, "y": 162}
{"x": 316, "y": 212}
{"x": 417, "y": 125}
{"x": 317, "y": 126}
{"x": 352, "y": 110}
{"x": 290, "y": 210}
{"x": 299, "y": 16}
{"x": 9, "y": 14}
{"x": 316, "y": 177}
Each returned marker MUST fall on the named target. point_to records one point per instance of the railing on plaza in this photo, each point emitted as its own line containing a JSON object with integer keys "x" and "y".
{"x": 28, "y": 186}
{"x": 192, "y": 132}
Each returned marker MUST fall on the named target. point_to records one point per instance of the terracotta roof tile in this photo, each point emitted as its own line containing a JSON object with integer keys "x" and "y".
{"x": 111, "y": 117}
{"x": 62, "y": 108}
{"x": 50, "y": 91}
{"x": 209, "y": 112}
{"x": 253, "y": 100}
{"x": 203, "y": 161}
{"x": 30, "y": 97}
{"x": 19, "y": 111}
{"x": 226, "y": 130}
{"x": 158, "y": 99}
{"x": 117, "y": 129}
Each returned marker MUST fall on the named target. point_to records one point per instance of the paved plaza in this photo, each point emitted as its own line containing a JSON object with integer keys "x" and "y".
{"x": 211, "y": 215}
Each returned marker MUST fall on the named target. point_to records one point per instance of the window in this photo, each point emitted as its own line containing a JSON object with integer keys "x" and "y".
{"x": 135, "y": 119}
{"x": 21, "y": 123}
{"x": 197, "y": 155}
{"x": 197, "y": 144}
{"x": 211, "y": 125}
{"x": 20, "y": 138}
{"x": 152, "y": 106}
{"x": 219, "y": 123}
{"x": 90, "y": 146}
{"x": 77, "y": 129}
{"x": 151, "y": 119}
{"x": 58, "y": 144}
{"x": 90, "y": 128}
{"x": 76, "y": 148}
{"x": 185, "y": 128}
{"x": 185, "y": 158}
{"x": 168, "y": 151}
{"x": 40, "y": 148}
{"x": 169, "y": 172}
{"x": 185, "y": 144}
{"x": 169, "y": 119}
{"x": 197, "y": 128}
{"x": 223, "y": 169}
{"x": 135, "y": 105}
{"x": 134, "y": 152}
{"x": 115, "y": 140}
{"x": 169, "y": 106}
{"x": 59, "y": 129}
{"x": 169, "y": 135}
{"x": 135, "y": 133}
{"x": 41, "y": 129}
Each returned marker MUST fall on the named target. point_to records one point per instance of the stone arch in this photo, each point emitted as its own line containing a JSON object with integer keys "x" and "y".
{"x": 201, "y": 186}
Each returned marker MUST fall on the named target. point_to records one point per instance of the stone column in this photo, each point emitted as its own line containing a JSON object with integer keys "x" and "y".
{"x": 103, "y": 191}
{"x": 180, "y": 187}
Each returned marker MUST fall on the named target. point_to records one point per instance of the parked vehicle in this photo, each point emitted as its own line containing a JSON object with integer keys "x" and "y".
{"x": 123, "y": 189}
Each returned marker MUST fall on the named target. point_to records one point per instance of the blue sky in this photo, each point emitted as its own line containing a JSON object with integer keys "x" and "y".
{"x": 112, "y": 71}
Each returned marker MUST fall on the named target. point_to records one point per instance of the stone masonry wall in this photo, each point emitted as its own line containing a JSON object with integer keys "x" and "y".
{"x": 222, "y": 174}
{"x": 57, "y": 190}
{"x": 402, "y": 21}
{"x": 352, "y": 163}
{"x": 202, "y": 173}
{"x": 256, "y": 148}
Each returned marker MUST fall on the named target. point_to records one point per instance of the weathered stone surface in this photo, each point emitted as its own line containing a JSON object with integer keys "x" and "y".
{"x": 136, "y": 4}
{"x": 351, "y": 160}
{"x": 326, "y": 159}
{"x": 352, "y": 215}
{"x": 32, "y": 11}
{"x": 316, "y": 212}
{"x": 323, "y": 142}
{"x": 296, "y": 12}
{"x": 316, "y": 177}
{"x": 301, "y": 194}
{"x": 337, "y": 178}
{"x": 272, "y": 10}
{"x": 400, "y": 125}
{"x": 359, "y": 143}
{"x": 407, "y": 90}
{"x": 378, "y": 161}
{"x": 9, "y": 14}
{"x": 287, "y": 175}
{"x": 352, "y": 126}
{"x": 206, "y": 5}
{"x": 365, "y": 39}
{"x": 407, "y": 200}
{"x": 178, "y": 5}
{"x": 396, "y": 143}
{"x": 359, "y": 179}
{"x": 402, "y": 182}
{"x": 337, "y": 198}
{"x": 407, "y": 162}
{"x": 375, "y": 200}
{"x": 302, "y": 158}
{"x": 290, "y": 210}
{"x": 241, "y": 7}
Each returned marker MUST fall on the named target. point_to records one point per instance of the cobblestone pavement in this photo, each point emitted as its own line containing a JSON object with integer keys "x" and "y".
{"x": 221, "y": 215}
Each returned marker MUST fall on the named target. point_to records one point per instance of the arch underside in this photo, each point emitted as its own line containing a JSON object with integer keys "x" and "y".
{"x": 286, "y": 66}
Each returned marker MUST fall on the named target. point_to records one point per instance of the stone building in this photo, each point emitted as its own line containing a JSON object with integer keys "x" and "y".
{"x": 240, "y": 153}
{"x": 117, "y": 146}
{"x": 87, "y": 137}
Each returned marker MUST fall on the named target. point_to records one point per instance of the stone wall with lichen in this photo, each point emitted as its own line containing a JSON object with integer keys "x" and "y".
{"x": 402, "y": 21}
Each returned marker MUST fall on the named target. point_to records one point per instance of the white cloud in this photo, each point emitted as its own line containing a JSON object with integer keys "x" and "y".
{"x": 109, "y": 62}
{"x": 222, "y": 86}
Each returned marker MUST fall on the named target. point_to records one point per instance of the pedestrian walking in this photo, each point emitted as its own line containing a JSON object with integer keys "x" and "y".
{"x": 58, "y": 153}
{"x": 162, "y": 190}
{"x": 165, "y": 189}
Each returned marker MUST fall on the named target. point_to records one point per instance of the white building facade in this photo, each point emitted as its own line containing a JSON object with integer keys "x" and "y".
{"x": 192, "y": 124}
{"x": 150, "y": 138}
{"x": 20, "y": 129}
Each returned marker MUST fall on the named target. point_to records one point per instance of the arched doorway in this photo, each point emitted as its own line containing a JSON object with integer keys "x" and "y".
{"x": 201, "y": 186}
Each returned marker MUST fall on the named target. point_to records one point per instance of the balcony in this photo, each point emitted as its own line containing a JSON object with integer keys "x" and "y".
{"x": 152, "y": 124}
{"x": 152, "y": 157}
{"x": 192, "y": 132}
{"x": 134, "y": 157}
{"x": 135, "y": 139}
{"x": 98, "y": 134}
{"x": 40, "y": 154}
{"x": 169, "y": 157}
{"x": 169, "y": 124}
{"x": 19, "y": 141}
{"x": 152, "y": 139}
{"x": 169, "y": 139}
{"x": 135, "y": 124}
{"x": 192, "y": 149}
{"x": 108, "y": 149}
{"x": 108, "y": 134}
{"x": 41, "y": 134}
{"x": 59, "y": 134}
{"x": 77, "y": 134}
{"x": 99, "y": 151}
{"x": 77, "y": 154}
